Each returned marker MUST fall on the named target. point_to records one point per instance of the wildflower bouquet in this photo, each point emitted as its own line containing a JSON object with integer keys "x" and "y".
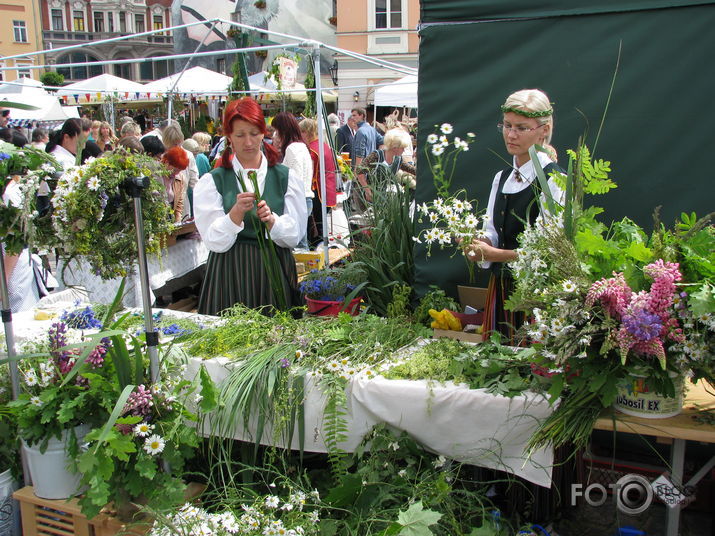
{"x": 92, "y": 211}
{"x": 297, "y": 514}
{"x": 22, "y": 172}
{"x": 63, "y": 384}
{"x": 138, "y": 456}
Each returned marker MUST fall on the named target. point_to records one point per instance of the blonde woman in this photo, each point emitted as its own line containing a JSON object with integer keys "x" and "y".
{"x": 390, "y": 158}
{"x": 202, "y": 161}
{"x": 106, "y": 139}
{"x": 527, "y": 120}
{"x": 174, "y": 137}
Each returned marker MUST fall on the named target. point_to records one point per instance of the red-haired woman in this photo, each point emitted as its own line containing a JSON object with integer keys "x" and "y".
{"x": 176, "y": 183}
{"x": 224, "y": 217}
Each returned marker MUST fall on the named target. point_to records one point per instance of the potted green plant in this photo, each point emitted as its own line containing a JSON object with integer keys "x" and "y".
{"x": 63, "y": 394}
{"x": 332, "y": 290}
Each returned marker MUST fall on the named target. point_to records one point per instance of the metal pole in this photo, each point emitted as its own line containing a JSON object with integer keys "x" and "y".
{"x": 321, "y": 149}
{"x": 135, "y": 186}
{"x": 11, "y": 354}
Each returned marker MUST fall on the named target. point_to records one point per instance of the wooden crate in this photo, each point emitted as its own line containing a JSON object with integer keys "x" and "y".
{"x": 50, "y": 517}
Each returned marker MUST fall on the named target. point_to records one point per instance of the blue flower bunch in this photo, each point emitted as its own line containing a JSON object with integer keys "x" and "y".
{"x": 332, "y": 284}
{"x": 82, "y": 319}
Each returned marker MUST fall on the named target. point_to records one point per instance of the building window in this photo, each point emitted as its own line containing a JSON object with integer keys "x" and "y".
{"x": 139, "y": 24}
{"x": 388, "y": 13}
{"x": 122, "y": 22}
{"x": 123, "y": 70}
{"x": 158, "y": 22}
{"x": 23, "y": 70}
{"x": 154, "y": 70}
{"x": 78, "y": 21}
{"x": 80, "y": 72}
{"x": 221, "y": 65}
{"x": 98, "y": 21}
{"x": 110, "y": 22}
{"x": 58, "y": 23}
{"x": 20, "y": 31}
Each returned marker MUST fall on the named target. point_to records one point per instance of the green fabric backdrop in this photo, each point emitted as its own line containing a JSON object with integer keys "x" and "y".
{"x": 660, "y": 126}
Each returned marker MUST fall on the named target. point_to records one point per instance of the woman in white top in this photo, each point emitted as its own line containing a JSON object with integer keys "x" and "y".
{"x": 527, "y": 120}
{"x": 227, "y": 216}
{"x": 287, "y": 138}
{"x": 63, "y": 143}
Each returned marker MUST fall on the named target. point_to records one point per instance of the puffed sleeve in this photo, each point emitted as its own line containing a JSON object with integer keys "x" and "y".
{"x": 215, "y": 226}
{"x": 289, "y": 228}
{"x": 489, "y": 229}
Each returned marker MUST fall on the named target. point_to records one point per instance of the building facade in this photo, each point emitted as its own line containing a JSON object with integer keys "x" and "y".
{"x": 386, "y": 29}
{"x": 20, "y": 32}
{"x": 81, "y": 22}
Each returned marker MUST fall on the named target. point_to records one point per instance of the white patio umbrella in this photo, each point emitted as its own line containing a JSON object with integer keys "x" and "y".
{"x": 402, "y": 92}
{"x": 105, "y": 84}
{"x": 196, "y": 80}
{"x": 29, "y": 91}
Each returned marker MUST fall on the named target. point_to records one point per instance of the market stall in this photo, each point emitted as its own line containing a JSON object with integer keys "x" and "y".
{"x": 49, "y": 112}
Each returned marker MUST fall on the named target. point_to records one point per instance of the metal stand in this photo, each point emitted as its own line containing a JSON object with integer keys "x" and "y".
{"x": 11, "y": 354}
{"x": 134, "y": 187}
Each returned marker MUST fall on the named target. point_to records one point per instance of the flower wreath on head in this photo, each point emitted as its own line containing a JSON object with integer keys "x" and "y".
{"x": 541, "y": 113}
{"x": 23, "y": 225}
{"x": 93, "y": 212}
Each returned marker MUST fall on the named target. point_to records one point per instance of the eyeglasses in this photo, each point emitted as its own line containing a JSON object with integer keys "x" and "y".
{"x": 501, "y": 127}
{"x": 5, "y": 113}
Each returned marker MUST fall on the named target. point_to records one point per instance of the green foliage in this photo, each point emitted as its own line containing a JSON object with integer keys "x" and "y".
{"x": 415, "y": 521}
{"x": 399, "y": 306}
{"x": 436, "y": 299}
{"x": 52, "y": 78}
{"x": 385, "y": 250}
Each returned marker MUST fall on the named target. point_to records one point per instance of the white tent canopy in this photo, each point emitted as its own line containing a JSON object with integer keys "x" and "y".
{"x": 195, "y": 80}
{"x": 29, "y": 91}
{"x": 402, "y": 92}
{"x": 105, "y": 83}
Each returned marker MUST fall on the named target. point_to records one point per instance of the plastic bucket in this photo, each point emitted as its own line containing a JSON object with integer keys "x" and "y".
{"x": 332, "y": 308}
{"x": 50, "y": 477}
{"x": 634, "y": 398}
{"x": 9, "y": 509}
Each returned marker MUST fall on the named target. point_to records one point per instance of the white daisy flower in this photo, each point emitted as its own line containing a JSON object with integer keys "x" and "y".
{"x": 31, "y": 378}
{"x": 298, "y": 354}
{"x": 143, "y": 429}
{"x": 471, "y": 221}
{"x": 437, "y": 150}
{"x": 568, "y": 286}
{"x": 446, "y": 128}
{"x": 333, "y": 366}
{"x": 439, "y": 462}
{"x": 35, "y": 401}
{"x": 93, "y": 184}
{"x": 433, "y": 217}
{"x": 154, "y": 444}
{"x": 432, "y": 139}
{"x": 272, "y": 501}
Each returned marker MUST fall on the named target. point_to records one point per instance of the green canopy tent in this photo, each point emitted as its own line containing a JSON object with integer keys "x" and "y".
{"x": 657, "y": 134}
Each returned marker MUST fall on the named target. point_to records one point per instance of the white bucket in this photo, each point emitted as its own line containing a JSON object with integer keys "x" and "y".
{"x": 9, "y": 509}
{"x": 634, "y": 398}
{"x": 51, "y": 479}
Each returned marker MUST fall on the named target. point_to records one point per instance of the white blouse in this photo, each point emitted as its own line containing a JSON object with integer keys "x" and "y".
{"x": 513, "y": 186}
{"x": 64, "y": 157}
{"x": 298, "y": 159}
{"x": 218, "y": 230}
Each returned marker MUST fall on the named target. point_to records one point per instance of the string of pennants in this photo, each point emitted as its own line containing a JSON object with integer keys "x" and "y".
{"x": 86, "y": 98}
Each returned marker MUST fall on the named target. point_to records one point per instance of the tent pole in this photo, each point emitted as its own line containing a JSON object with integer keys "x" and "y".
{"x": 321, "y": 148}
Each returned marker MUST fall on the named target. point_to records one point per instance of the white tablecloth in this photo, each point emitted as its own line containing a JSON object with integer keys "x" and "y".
{"x": 467, "y": 425}
{"x": 175, "y": 261}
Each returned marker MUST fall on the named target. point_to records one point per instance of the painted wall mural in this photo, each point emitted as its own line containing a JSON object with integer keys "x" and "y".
{"x": 300, "y": 18}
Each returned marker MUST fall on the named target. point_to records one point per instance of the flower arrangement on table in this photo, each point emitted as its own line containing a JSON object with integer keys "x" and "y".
{"x": 92, "y": 211}
{"x": 333, "y": 284}
{"x": 25, "y": 169}
{"x": 609, "y": 302}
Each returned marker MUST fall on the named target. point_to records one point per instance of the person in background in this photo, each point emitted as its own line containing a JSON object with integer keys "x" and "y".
{"x": 106, "y": 139}
{"x": 132, "y": 143}
{"x": 527, "y": 120}
{"x": 202, "y": 159}
{"x": 346, "y": 135}
{"x": 130, "y": 128}
{"x": 63, "y": 143}
{"x": 176, "y": 184}
{"x": 174, "y": 137}
{"x": 159, "y": 131}
{"x": 90, "y": 149}
{"x": 153, "y": 146}
{"x": 367, "y": 139}
{"x": 4, "y": 117}
{"x": 288, "y": 140}
{"x": 389, "y": 158}
{"x": 309, "y": 128}
{"x": 40, "y": 137}
{"x": 94, "y": 130}
{"x": 333, "y": 125}
{"x": 226, "y": 219}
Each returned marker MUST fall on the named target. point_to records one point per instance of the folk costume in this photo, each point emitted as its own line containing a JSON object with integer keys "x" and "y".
{"x": 512, "y": 202}
{"x": 235, "y": 271}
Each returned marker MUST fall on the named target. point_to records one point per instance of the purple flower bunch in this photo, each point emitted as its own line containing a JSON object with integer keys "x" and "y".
{"x": 83, "y": 319}
{"x": 139, "y": 402}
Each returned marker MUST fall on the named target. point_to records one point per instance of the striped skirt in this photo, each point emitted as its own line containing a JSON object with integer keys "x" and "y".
{"x": 238, "y": 276}
{"x": 496, "y": 317}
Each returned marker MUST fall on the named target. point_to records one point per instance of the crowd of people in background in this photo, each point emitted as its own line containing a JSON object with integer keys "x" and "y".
{"x": 291, "y": 140}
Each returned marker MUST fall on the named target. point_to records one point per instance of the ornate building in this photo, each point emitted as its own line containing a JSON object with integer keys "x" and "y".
{"x": 72, "y": 22}
{"x": 19, "y": 34}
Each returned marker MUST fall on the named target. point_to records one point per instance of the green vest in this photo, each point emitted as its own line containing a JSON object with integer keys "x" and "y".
{"x": 274, "y": 194}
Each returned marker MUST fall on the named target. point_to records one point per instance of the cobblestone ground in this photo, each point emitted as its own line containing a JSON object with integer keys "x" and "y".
{"x": 604, "y": 520}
